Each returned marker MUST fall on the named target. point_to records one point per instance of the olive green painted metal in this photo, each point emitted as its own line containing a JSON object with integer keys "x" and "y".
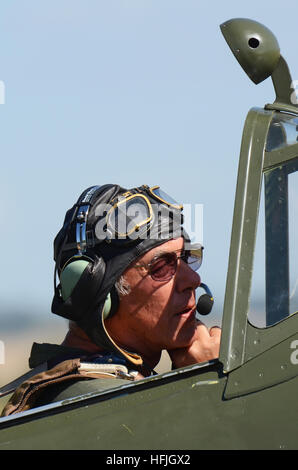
{"x": 247, "y": 199}
{"x": 247, "y": 399}
{"x": 187, "y": 413}
{"x": 280, "y": 156}
{"x": 282, "y": 83}
{"x": 257, "y": 50}
{"x": 255, "y": 159}
{"x": 253, "y": 45}
{"x": 254, "y": 162}
{"x": 259, "y": 340}
{"x": 270, "y": 368}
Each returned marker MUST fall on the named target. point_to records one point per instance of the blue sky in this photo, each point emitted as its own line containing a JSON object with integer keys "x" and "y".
{"x": 129, "y": 92}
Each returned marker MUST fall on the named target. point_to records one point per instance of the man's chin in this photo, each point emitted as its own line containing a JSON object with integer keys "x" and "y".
{"x": 185, "y": 336}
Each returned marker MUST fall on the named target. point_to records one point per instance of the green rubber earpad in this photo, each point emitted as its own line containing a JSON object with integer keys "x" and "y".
{"x": 107, "y": 307}
{"x": 69, "y": 278}
{"x": 71, "y": 275}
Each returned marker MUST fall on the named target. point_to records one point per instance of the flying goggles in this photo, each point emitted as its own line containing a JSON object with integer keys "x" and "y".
{"x": 134, "y": 213}
{"x": 130, "y": 216}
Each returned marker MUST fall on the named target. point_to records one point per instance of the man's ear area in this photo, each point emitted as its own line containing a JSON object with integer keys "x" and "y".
{"x": 122, "y": 286}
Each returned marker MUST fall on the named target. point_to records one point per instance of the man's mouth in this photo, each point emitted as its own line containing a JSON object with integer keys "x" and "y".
{"x": 187, "y": 312}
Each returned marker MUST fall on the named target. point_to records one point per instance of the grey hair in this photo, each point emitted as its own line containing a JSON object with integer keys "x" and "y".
{"x": 122, "y": 286}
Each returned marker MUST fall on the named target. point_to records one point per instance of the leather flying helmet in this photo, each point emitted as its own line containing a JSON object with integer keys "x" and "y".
{"x": 107, "y": 229}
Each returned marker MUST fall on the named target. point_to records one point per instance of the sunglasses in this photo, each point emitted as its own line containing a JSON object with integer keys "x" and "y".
{"x": 164, "y": 266}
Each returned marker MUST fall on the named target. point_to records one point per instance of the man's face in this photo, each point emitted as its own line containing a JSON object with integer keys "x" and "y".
{"x": 159, "y": 315}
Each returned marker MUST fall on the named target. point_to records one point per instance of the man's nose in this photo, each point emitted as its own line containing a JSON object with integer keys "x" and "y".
{"x": 186, "y": 278}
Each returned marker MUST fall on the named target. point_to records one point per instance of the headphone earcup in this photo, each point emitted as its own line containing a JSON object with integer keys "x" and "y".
{"x": 111, "y": 304}
{"x": 71, "y": 275}
{"x": 79, "y": 289}
{"x": 73, "y": 272}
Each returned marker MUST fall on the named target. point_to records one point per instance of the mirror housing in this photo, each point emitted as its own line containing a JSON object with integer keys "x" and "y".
{"x": 254, "y": 46}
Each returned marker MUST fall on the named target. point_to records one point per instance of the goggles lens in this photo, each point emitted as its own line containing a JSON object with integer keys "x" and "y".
{"x": 159, "y": 194}
{"x": 163, "y": 267}
{"x": 132, "y": 212}
{"x": 129, "y": 215}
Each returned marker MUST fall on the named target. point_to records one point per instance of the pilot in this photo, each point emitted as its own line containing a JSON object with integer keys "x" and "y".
{"x": 126, "y": 282}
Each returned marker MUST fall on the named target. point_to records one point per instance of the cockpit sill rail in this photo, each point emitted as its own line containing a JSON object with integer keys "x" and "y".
{"x": 130, "y": 387}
